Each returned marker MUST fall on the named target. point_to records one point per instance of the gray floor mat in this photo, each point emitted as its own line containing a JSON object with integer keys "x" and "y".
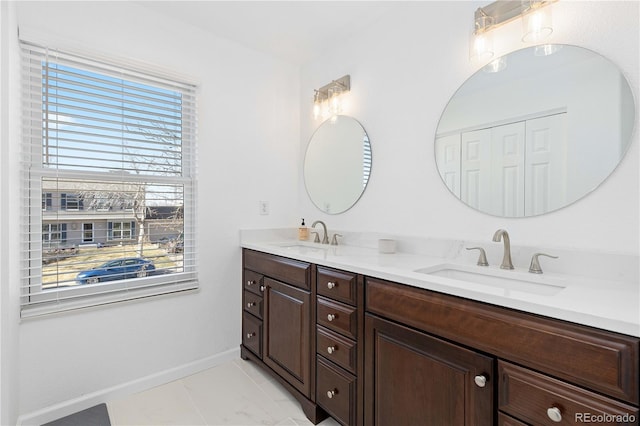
{"x": 94, "y": 416}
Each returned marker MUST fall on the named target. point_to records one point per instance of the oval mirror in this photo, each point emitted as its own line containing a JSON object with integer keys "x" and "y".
{"x": 535, "y": 130}
{"x": 337, "y": 164}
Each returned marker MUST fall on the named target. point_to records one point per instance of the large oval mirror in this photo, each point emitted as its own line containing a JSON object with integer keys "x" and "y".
{"x": 337, "y": 164}
{"x": 535, "y": 130}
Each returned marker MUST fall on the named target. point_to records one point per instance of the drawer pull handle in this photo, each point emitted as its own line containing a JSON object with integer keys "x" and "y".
{"x": 481, "y": 380}
{"x": 250, "y": 283}
{"x": 250, "y": 304}
{"x": 331, "y": 393}
{"x": 250, "y": 335}
{"x": 331, "y": 317}
{"x": 331, "y": 349}
{"x": 331, "y": 285}
{"x": 554, "y": 414}
{"x": 262, "y": 287}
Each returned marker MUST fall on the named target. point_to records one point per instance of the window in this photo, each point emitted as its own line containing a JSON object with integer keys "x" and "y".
{"x": 121, "y": 230}
{"x": 70, "y": 202}
{"x": 106, "y": 148}
{"x": 87, "y": 232}
{"x": 47, "y": 201}
{"x": 54, "y": 234}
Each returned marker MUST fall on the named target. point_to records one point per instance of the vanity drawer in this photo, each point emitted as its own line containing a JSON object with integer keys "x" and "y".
{"x": 336, "y": 348}
{"x": 253, "y": 303}
{"x": 600, "y": 360}
{"x": 538, "y": 399}
{"x": 252, "y": 281}
{"x": 336, "y": 392}
{"x": 337, "y": 285}
{"x": 252, "y": 333}
{"x": 504, "y": 420}
{"x": 337, "y": 316}
{"x": 290, "y": 271}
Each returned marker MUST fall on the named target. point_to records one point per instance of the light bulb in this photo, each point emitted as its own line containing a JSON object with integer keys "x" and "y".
{"x": 317, "y": 110}
{"x": 481, "y": 41}
{"x": 335, "y": 106}
{"x": 536, "y": 25}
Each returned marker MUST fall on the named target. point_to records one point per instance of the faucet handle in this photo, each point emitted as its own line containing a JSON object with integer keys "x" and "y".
{"x": 334, "y": 240}
{"x": 482, "y": 259}
{"x": 535, "y": 268}
{"x": 317, "y": 238}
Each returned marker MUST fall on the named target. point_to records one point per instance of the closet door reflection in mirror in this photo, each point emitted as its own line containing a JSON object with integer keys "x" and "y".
{"x": 536, "y": 136}
{"x": 337, "y": 164}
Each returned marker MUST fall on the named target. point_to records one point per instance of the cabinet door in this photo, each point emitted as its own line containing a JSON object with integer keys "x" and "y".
{"x": 286, "y": 333}
{"x": 415, "y": 379}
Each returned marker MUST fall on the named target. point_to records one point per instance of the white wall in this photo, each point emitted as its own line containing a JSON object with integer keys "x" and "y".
{"x": 403, "y": 71}
{"x": 252, "y": 136}
{"x": 248, "y": 151}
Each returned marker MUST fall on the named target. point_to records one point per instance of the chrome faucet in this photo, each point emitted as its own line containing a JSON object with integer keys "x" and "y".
{"x": 506, "y": 258}
{"x": 325, "y": 238}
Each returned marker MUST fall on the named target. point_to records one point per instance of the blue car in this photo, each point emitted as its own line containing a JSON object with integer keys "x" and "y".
{"x": 118, "y": 269}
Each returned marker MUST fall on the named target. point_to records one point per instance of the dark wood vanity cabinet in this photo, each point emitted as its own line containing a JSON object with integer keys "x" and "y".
{"x": 412, "y": 378}
{"x": 543, "y": 371}
{"x": 372, "y": 352}
{"x": 278, "y": 321}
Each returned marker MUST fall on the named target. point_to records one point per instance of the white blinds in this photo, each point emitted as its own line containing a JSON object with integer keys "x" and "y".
{"x": 108, "y": 208}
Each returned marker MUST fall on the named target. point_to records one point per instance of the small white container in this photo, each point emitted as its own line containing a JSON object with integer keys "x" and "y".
{"x": 386, "y": 245}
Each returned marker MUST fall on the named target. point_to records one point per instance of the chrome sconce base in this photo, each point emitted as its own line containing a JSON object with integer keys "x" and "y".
{"x": 343, "y": 84}
{"x": 503, "y": 11}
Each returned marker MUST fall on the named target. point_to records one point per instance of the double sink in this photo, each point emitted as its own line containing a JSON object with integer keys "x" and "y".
{"x": 484, "y": 279}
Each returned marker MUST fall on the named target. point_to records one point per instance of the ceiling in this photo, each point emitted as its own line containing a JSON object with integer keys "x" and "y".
{"x": 295, "y": 31}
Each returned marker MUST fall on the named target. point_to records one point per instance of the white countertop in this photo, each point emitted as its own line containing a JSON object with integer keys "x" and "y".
{"x": 612, "y": 305}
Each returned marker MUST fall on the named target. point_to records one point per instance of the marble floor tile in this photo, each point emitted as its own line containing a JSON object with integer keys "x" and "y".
{"x": 235, "y": 393}
{"x": 169, "y": 404}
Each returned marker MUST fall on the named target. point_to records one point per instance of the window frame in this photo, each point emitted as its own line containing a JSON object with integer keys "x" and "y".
{"x": 37, "y": 300}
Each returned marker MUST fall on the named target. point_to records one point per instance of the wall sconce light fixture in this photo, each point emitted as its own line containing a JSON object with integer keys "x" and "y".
{"x": 536, "y": 21}
{"x": 327, "y": 99}
{"x": 481, "y": 43}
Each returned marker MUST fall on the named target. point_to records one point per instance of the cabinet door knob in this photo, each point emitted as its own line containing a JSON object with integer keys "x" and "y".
{"x": 262, "y": 287}
{"x": 331, "y": 393}
{"x": 554, "y": 414}
{"x": 250, "y": 335}
{"x": 481, "y": 380}
{"x": 331, "y": 349}
{"x": 250, "y": 283}
{"x": 250, "y": 304}
{"x": 331, "y": 317}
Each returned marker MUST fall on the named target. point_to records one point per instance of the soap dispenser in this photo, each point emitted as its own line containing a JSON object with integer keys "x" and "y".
{"x": 303, "y": 232}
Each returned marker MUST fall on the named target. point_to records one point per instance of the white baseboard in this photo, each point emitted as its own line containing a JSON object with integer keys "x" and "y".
{"x": 65, "y": 408}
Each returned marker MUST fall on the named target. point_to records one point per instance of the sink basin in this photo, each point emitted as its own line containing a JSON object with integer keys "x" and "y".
{"x": 300, "y": 247}
{"x": 497, "y": 281}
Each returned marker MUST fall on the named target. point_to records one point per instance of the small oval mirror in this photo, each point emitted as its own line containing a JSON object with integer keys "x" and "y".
{"x": 337, "y": 164}
{"x": 535, "y": 130}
